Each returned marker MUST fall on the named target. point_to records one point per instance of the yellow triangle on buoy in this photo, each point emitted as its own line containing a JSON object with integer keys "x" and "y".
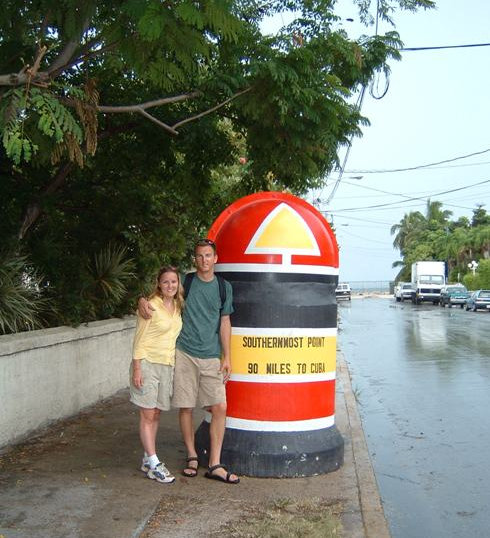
{"x": 283, "y": 231}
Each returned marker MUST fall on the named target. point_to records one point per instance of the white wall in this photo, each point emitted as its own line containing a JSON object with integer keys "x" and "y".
{"x": 51, "y": 374}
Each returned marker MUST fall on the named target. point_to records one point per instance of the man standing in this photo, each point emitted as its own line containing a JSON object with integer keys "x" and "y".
{"x": 202, "y": 361}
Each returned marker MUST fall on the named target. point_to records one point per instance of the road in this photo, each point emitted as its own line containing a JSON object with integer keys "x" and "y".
{"x": 421, "y": 375}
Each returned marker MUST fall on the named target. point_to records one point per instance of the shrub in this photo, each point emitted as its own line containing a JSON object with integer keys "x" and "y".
{"x": 21, "y": 303}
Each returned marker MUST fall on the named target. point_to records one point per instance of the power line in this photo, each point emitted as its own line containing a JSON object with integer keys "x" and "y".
{"x": 458, "y": 165}
{"x": 366, "y": 239}
{"x": 423, "y": 197}
{"x": 414, "y": 198}
{"x": 409, "y": 49}
{"x": 385, "y": 171}
{"x": 341, "y": 172}
{"x": 350, "y": 217}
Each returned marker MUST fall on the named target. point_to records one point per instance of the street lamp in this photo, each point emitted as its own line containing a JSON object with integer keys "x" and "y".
{"x": 473, "y": 265}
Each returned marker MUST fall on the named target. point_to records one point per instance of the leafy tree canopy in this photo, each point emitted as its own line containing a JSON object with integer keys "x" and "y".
{"x": 434, "y": 237}
{"x": 128, "y": 125}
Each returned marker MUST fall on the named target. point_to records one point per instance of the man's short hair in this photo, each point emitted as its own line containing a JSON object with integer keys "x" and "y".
{"x": 205, "y": 243}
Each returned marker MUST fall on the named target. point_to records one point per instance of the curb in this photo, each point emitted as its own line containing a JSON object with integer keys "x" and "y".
{"x": 374, "y": 521}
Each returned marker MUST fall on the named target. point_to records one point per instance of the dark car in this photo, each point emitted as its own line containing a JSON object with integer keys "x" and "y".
{"x": 454, "y": 294}
{"x": 479, "y": 299}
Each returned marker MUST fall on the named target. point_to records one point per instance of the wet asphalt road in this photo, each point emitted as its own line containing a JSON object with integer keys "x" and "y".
{"x": 422, "y": 378}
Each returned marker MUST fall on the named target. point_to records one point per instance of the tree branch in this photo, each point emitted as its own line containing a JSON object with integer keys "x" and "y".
{"x": 19, "y": 79}
{"x": 42, "y": 77}
{"x": 34, "y": 210}
{"x": 83, "y": 56}
{"x": 32, "y": 71}
{"x": 27, "y": 73}
{"x": 158, "y": 122}
{"x": 206, "y": 112}
{"x": 148, "y": 104}
{"x": 68, "y": 51}
{"x": 42, "y": 29}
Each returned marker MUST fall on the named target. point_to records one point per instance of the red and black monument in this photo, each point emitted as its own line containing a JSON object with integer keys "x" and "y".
{"x": 281, "y": 257}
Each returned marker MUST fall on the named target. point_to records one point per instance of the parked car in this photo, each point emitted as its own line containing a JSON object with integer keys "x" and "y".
{"x": 343, "y": 292}
{"x": 403, "y": 290}
{"x": 454, "y": 294}
{"x": 478, "y": 299}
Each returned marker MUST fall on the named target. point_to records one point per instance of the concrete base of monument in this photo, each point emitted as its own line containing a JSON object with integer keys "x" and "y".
{"x": 276, "y": 454}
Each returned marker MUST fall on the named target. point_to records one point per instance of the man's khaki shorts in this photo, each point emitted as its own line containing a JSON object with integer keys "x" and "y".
{"x": 157, "y": 388}
{"x": 197, "y": 381}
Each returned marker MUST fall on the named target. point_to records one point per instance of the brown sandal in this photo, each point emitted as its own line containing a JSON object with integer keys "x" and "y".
{"x": 191, "y": 472}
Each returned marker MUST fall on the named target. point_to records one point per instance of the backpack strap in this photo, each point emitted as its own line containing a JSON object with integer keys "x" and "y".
{"x": 222, "y": 291}
{"x": 189, "y": 277}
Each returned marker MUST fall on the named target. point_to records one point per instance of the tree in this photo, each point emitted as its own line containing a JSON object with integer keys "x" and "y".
{"x": 435, "y": 216}
{"x": 123, "y": 121}
{"x": 482, "y": 240}
{"x": 435, "y": 237}
{"x": 480, "y": 216}
{"x": 408, "y": 230}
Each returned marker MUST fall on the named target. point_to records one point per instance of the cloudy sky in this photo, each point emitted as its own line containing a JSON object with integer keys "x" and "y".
{"x": 437, "y": 108}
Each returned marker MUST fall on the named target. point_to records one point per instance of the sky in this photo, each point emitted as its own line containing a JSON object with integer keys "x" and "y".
{"x": 437, "y": 108}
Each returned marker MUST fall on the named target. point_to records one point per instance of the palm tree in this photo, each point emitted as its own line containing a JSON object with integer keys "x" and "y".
{"x": 435, "y": 216}
{"x": 21, "y": 302}
{"x": 482, "y": 240}
{"x": 408, "y": 229}
{"x": 459, "y": 247}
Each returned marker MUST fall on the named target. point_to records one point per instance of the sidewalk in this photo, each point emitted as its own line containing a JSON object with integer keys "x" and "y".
{"x": 81, "y": 478}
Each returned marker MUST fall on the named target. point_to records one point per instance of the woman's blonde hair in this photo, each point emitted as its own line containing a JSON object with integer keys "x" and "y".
{"x": 179, "y": 296}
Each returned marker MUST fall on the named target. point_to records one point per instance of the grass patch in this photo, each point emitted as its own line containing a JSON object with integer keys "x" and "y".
{"x": 285, "y": 518}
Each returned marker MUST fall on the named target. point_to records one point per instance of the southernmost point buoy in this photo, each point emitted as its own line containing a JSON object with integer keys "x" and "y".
{"x": 281, "y": 257}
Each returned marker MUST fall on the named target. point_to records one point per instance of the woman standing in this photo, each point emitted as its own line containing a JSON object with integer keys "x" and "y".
{"x": 152, "y": 367}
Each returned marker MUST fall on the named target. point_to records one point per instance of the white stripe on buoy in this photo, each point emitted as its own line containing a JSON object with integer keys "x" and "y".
{"x": 284, "y": 331}
{"x": 275, "y": 268}
{"x": 272, "y": 378}
{"x": 280, "y": 426}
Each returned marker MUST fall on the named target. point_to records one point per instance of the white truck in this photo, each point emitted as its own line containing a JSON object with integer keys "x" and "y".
{"x": 428, "y": 277}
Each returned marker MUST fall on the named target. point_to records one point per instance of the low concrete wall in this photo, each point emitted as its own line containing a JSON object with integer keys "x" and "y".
{"x": 51, "y": 374}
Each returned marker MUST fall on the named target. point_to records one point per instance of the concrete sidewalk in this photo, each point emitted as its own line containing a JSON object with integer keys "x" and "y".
{"x": 80, "y": 478}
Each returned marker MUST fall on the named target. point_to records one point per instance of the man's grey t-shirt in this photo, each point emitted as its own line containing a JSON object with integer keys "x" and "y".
{"x": 200, "y": 335}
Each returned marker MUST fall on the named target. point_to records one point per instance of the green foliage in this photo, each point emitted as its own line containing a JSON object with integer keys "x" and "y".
{"x": 41, "y": 113}
{"x": 108, "y": 277}
{"x": 484, "y": 273}
{"x": 386, "y": 8}
{"x": 472, "y": 282}
{"x": 54, "y": 119}
{"x": 21, "y": 302}
{"x": 481, "y": 278}
{"x": 434, "y": 237}
{"x": 282, "y": 103}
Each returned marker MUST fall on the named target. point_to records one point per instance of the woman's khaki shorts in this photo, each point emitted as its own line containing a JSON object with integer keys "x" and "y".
{"x": 157, "y": 388}
{"x": 197, "y": 381}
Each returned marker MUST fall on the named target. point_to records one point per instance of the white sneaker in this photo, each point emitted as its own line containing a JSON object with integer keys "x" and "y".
{"x": 145, "y": 466}
{"x": 161, "y": 474}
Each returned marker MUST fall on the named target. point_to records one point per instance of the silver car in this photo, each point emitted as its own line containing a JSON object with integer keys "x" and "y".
{"x": 479, "y": 299}
{"x": 403, "y": 291}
